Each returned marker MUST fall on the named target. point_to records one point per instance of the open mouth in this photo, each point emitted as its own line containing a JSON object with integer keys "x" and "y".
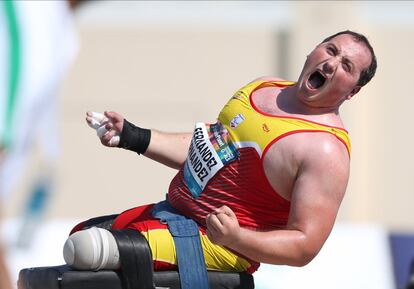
{"x": 316, "y": 80}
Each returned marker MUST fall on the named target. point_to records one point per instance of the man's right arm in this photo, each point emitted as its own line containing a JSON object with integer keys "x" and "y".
{"x": 169, "y": 149}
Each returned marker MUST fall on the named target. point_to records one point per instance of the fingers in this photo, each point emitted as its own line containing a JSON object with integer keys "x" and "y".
{"x": 225, "y": 210}
{"x": 98, "y": 116}
{"x": 114, "y": 141}
{"x": 219, "y": 223}
{"x": 222, "y": 215}
{"x": 214, "y": 223}
{"x": 214, "y": 228}
{"x": 110, "y": 138}
{"x": 114, "y": 116}
{"x": 101, "y": 131}
{"x": 109, "y": 125}
{"x": 116, "y": 119}
{"x": 222, "y": 227}
{"x": 103, "y": 127}
{"x": 95, "y": 119}
{"x": 92, "y": 122}
{"x": 107, "y": 135}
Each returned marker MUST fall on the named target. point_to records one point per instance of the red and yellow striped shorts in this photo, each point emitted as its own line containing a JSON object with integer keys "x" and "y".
{"x": 162, "y": 243}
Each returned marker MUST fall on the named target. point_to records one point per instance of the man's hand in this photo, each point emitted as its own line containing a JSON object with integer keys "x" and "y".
{"x": 223, "y": 227}
{"x": 108, "y": 126}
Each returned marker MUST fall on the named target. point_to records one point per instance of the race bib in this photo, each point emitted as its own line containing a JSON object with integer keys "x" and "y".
{"x": 211, "y": 149}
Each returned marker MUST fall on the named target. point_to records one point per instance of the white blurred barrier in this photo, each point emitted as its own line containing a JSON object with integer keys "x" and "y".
{"x": 44, "y": 250}
{"x": 354, "y": 257}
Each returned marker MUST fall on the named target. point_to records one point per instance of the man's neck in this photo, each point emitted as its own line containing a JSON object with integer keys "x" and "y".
{"x": 289, "y": 102}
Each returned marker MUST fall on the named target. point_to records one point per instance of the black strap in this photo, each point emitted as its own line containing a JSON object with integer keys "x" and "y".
{"x": 134, "y": 138}
{"x": 136, "y": 259}
{"x": 104, "y": 222}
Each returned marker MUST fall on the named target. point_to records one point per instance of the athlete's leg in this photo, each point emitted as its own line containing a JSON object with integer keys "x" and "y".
{"x": 84, "y": 252}
{"x": 91, "y": 249}
{"x": 162, "y": 246}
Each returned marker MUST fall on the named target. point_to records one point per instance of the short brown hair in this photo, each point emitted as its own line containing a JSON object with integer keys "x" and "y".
{"x": 368, "y": 73}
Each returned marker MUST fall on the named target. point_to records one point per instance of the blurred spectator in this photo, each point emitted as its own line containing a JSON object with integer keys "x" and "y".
{"x": 37, "y": 45}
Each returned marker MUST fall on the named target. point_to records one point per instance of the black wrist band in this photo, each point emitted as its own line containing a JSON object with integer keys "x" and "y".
{"x": 134, "y": 138}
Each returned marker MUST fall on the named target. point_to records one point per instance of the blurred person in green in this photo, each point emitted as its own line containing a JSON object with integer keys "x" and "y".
{"x": 37, "y": 45}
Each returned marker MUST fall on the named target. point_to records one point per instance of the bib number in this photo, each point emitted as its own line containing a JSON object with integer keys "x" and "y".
{"x": 210, "y": 150}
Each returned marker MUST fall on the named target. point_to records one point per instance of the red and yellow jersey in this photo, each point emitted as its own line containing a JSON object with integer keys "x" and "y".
{"x": 225, "y": 163}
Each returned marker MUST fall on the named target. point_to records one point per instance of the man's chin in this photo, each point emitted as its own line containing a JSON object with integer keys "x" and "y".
{"x": 306, "y": 92}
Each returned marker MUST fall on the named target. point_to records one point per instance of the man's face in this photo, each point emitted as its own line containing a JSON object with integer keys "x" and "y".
{"x": 331, "y": 72}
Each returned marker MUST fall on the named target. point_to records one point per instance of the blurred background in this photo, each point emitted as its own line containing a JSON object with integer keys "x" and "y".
{"x": 168, "y": 64}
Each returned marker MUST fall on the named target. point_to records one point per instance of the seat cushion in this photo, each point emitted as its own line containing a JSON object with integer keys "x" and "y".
{"x": 63, "y": 277}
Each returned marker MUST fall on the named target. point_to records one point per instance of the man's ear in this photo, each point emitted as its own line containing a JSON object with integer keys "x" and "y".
{"x": 353, "y": 92}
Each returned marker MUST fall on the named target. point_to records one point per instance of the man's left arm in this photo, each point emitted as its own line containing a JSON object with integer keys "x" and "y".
{"x": 316, "y": 196}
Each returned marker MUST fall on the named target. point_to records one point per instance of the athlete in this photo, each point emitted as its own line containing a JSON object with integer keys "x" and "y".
{"x": 265, "y": 182}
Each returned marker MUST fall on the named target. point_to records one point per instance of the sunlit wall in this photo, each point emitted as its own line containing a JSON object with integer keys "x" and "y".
{"x": 168, "y": 64}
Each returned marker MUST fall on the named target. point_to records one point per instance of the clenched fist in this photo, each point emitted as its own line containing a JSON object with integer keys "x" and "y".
{"x": 223, "y": 227}
{"x": 108, "y": 126}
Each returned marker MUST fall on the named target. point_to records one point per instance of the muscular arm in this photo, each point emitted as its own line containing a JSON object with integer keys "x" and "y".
{"x": 169, "y": 149}
{"x": 317, "y": 194}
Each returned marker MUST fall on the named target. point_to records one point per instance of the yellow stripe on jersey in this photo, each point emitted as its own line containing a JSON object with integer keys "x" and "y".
{"x": 249, "y": 127}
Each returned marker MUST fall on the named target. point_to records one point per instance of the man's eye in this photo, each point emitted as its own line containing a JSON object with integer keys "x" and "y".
{"x": 347, "y": 67}
{"x": 331, "y": 50}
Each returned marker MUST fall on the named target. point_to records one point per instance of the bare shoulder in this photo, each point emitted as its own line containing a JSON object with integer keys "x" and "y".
{"x": 318, "y": 158}
{"x": 321, "y": 149}
{"x": 308, "y": 149}
{"x": 324, "y": 166}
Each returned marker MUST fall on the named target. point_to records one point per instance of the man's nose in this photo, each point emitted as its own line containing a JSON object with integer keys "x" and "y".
{"x": 330, "y": 65}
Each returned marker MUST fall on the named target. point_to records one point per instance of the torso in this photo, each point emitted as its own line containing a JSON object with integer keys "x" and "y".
{"x": 257, "y": 183}
{"x": 283, "y": 157}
